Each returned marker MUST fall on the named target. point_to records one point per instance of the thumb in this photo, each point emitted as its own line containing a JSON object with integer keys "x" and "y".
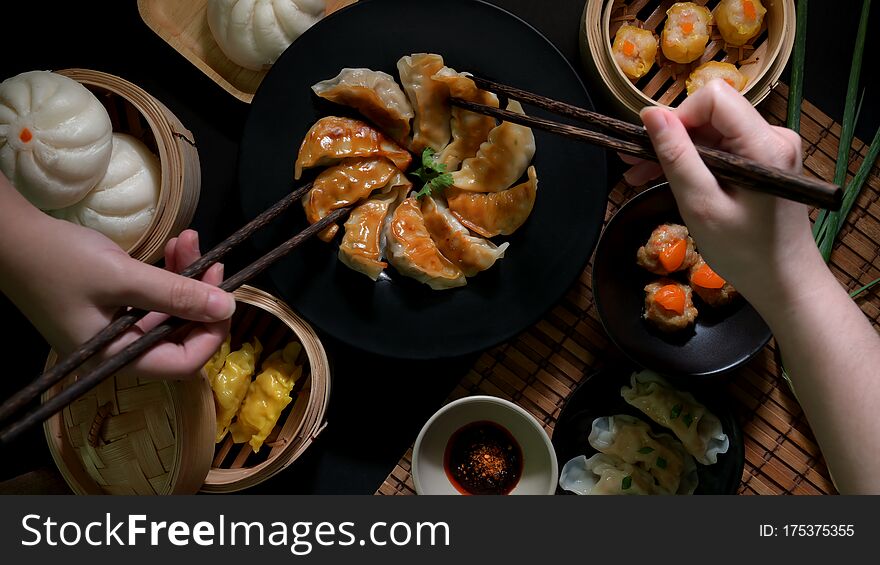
{"x": 685, "y": 170}
{"x": 152, "y": 288}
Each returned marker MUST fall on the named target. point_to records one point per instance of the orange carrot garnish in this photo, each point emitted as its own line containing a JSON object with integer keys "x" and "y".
{"x": 25, "y": 135}
{"x": 687, "y": 27}
{"x": 673, "y": 255}
{"x": 671, "y": 297}
{"x": 705, "y": 277}
{"x": 749, "y": 10}
{"x": 629, "y": 48}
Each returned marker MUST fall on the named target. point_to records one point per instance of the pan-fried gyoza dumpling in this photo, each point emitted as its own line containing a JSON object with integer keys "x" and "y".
{"x": 501, "y": 160}
{"x": 495, "y": 213}
{"x": 698, "y": 429}
{"x": 253, "y": 33}
{"x": 411, "y": 250}
{"x": 347, "y": 183}
{"x": 332, "y": 139}
{"x": 663, "y": 456}
{"x": 469, "y": 129}
{"x": 471, "y": 254}
{"x": 364, "y": 240}
{"x": 429, "y": 98}
{"x": 374, "y": 94}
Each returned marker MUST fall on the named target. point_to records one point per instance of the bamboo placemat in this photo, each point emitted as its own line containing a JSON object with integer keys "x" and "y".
{"x": 539, "y": 368}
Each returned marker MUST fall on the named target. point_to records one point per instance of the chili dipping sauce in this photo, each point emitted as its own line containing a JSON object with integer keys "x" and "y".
{"x": 483, "y": 458}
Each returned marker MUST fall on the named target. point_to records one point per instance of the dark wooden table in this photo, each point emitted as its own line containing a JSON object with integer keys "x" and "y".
{"x": 378, "y": 406}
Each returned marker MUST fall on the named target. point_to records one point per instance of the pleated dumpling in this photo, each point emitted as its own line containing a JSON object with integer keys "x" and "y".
{"x": 253, "y": 33}
{"x": 267, "y": 397}
{"x": 632, "y": 440}
{"x": 495, "y": 213}
{"x": 123, "y": 204}
{"x": 606, "y": 474}
{"x": 374, "y": 94}
{"x": 698, "y": 429}
{"x": 231, "y": 384}
{"x": 501, "y": 160}
{"x": 332, "y": 139}
{"x": 411, "y": 250}
{"x": 469, "y": 129}
{"x": 347, "y": 183}
{"x": 429, "y": 98}
{"x": 471, "y": 254}
{"x": 55, "y": 138}
{"x": 363, "y": 244}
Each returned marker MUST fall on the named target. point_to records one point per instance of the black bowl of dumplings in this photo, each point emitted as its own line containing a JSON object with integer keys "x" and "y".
{"x": 637, "y": 433}
{"x": 720, "y": 340}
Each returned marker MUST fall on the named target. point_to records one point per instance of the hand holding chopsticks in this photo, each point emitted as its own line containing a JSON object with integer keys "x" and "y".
{"x": 634, "y": 141}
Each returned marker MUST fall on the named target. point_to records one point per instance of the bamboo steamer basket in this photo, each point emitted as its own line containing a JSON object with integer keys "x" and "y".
{"x": 762, "y": 59}
{"x": 135, "y": 112}
{"x": 132, "y": 436}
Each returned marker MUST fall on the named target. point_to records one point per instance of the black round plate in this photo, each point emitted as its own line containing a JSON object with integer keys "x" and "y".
{"x": 400, "y": 317}
{"x": 599, "y": 395}
{"x": 723, "y": 338}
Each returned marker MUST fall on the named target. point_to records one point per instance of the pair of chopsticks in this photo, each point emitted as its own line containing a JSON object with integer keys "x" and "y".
{"x": 729, "y": 167}
{"x": 633, "y": 140}
{"x": 129, "y": 317}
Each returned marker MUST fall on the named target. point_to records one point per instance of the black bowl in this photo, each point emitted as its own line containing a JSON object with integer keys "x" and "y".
{"x": 722, "y": 339}
{"x": 599, "y": 395}
{"x": 399, "y": 317}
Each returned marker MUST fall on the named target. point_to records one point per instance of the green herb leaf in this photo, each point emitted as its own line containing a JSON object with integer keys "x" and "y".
{"x": 661, "y": 462}
{"x": 862, "y": 289}
{"x": 646, "y": 450}
{"x": 432, "y": 174}
{"x": 796, "y": 88}
{"x": 688, "y": 419}
{"x": 626, "y": 482}
{"x": 676, "y": 412}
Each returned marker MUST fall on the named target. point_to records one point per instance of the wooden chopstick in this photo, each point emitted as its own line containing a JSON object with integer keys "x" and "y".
{"x": 110, "y": 366}
{"x": 727, "y": 166}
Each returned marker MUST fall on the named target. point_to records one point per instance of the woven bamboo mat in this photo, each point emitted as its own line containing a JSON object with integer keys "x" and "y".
{"x": 539, "y": 368}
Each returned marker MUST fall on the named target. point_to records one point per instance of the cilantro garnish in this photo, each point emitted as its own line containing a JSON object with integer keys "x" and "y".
{"x": 626, "y": 482}
{"x": 676, "y": 412}
{"x": 661, "y": 463}
{"x": 433, "y": 174}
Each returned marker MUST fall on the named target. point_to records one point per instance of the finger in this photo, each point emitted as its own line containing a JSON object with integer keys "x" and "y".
{"x": 170, "y": 256}
{"x": 629, "y": 159}
{"x": 170, "y": 360}
{"x": 689, "y": 178}
{"x": 642, "y": 173}
{"x": 741, "y": 129}
{"x": 158, "y": 290}
{"x": 213, "y": 276}
{"x": 187, "y": 251}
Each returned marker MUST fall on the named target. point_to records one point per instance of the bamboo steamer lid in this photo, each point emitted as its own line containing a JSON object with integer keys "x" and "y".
{"x": 133, "y": 436}
{"x": 762, "y": 60}
{"x": 135, "y": 112}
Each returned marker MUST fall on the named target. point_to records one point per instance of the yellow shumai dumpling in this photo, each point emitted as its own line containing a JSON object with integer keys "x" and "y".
{"x": 634, "y": 50}
{"x": 739, "y": 20}
{"x": 216, "y": 362}
{"x": 267, "y": 397}
{"x": 231, "y": 384}
{"x": 686, "y": 32}
{"x": 715, "y": 69}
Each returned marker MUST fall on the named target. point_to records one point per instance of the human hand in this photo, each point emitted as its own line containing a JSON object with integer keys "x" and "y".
{"x": 759, "y": 242}
{"x": 71, "y": 281}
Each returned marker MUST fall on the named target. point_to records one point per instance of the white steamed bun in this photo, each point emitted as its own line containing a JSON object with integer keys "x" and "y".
{"x": 253, "y": 33}
{"x": 124, "y": 202}
{"x": 54, "y": 138}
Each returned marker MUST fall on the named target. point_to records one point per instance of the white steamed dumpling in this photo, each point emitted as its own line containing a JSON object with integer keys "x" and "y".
{"x": 123, "y": 204}
{"x": 54, "y": 138}
{"x": 253, "y": 33}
